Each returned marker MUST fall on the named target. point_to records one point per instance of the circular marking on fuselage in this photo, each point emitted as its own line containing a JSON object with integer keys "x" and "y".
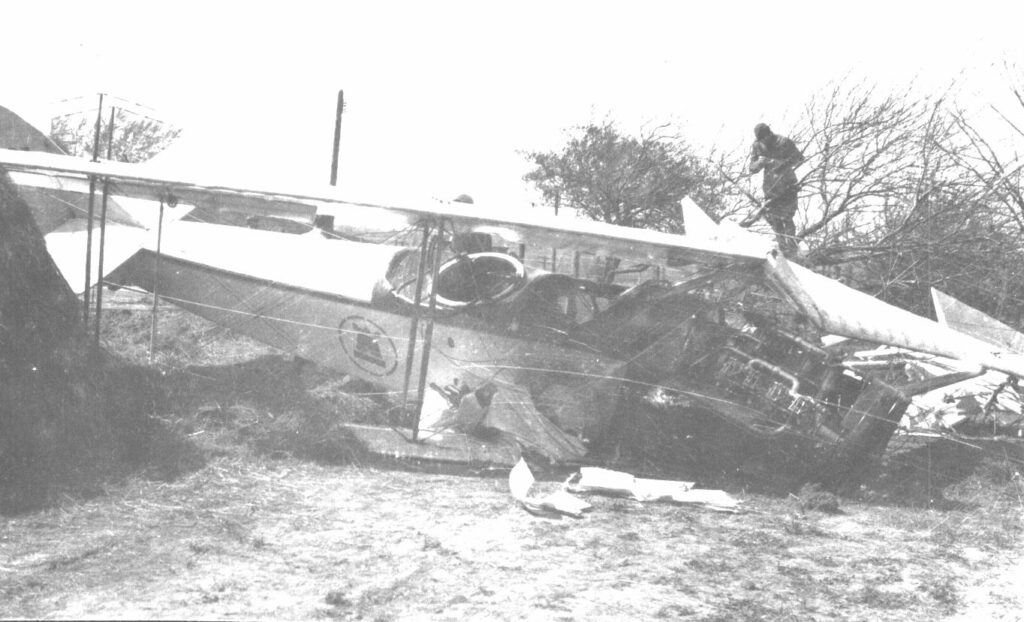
{"x": 367, "y": 345}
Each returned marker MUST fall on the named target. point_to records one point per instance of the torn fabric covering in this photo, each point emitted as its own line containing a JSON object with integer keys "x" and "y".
{"x": 513, "y": 412}
{"x": 521, "y": 481}
{"x": 605, "y": 481}
{"x": 510, "y": 410}
{"x": 596, "y": 479}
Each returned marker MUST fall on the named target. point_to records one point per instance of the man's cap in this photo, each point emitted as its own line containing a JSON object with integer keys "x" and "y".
{"x": 463, "y": 198}
{"x": 761, "y": 131}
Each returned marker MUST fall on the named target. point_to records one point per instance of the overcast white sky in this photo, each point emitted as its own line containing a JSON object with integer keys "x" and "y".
{"x": 441, "y": 95}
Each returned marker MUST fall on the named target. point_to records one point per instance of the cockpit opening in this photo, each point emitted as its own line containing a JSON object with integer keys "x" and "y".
{"x": 479, "y": 277}
{"x": 463, "y": 280}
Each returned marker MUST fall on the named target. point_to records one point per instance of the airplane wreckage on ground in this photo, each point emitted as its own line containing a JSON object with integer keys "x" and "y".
{"x": 446, "y": 307}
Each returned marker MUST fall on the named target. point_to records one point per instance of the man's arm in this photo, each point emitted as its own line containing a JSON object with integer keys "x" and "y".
{"x": 757, "y": 157}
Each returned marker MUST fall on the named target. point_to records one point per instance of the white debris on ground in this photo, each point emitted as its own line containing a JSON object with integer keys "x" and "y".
{"x": 615, "y": 483}
{"x": 605, "y": 481}
{"x": 559, "y": 502}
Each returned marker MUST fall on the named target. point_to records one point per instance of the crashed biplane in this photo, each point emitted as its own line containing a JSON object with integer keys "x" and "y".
{"x": 443, "y": 301}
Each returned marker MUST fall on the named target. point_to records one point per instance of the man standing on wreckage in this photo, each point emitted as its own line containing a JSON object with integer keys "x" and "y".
{"x": 778, "y": 157}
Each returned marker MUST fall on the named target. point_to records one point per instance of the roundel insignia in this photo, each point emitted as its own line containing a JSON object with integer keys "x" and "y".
{"x": 367, "y": 345}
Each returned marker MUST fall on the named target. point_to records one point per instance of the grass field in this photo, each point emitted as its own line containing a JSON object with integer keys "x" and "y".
{"x": 254, "y": 507}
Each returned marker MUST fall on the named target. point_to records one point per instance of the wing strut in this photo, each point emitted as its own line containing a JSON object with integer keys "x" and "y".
{"x": 92, "y": 200}
{"x": 410, "y": 351}
{"x": 428, "y": 337}
{"x": 156, "y": 282}
{"x": 88, "y": 251}
{"x": 430, "y": 250}
{"x": 103, "y": 227}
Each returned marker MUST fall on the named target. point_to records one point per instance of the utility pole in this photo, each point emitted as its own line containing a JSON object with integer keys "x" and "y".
{"x": 337, "y": 137}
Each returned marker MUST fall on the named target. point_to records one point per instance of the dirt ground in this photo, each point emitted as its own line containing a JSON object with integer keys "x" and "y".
{"x": 257, "y": 515}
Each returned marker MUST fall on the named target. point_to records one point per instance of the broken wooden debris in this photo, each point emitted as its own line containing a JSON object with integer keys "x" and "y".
{"x": 509, "y": 410}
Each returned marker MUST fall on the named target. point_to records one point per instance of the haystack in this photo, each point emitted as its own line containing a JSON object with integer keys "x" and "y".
{"x": 66, "y": 409}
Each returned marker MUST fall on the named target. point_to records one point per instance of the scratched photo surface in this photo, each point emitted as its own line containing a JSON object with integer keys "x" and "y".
{"x": 564, "y": 312}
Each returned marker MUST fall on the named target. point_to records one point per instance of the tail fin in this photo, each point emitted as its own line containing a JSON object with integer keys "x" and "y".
{"x": 966, "y": 319}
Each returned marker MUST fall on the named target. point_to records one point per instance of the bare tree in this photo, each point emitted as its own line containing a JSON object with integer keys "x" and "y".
{"x": 871, "y": 160}
{"x": 898, "y": 195}
{"x": 991, "y": 164}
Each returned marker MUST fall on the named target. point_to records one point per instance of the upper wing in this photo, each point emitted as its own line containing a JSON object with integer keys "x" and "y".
{"x": 830, "y": 305}
{"x": 135, "y": 181}
{"x": 516, "y": 227}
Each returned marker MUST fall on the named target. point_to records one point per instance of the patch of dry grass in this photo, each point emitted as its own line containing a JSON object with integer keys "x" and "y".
{"x": 351, "y": 542}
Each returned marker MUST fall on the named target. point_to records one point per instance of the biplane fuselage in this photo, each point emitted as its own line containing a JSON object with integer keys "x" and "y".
{"x": 558, "y": 349}
{"x": 353, "y": 316}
